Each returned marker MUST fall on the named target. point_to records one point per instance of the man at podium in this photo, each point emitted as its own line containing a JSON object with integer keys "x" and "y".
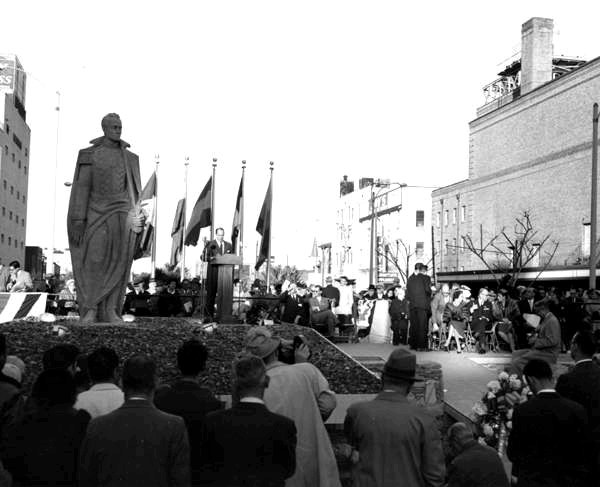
{"x": 212, "y": 250}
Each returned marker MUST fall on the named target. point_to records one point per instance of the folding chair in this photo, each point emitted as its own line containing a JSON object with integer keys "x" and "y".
{"x": 491, "y": 339}
{"x": 469, "y": 339}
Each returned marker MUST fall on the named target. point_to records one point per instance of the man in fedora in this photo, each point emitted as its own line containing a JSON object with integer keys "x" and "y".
{"x": 398, "y": 442}
{"x": 301, "y": 393}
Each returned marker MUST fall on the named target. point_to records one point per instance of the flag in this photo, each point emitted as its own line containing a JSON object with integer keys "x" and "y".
{"x": 263, "y": 226}
{"x": 177, "y": 232}
{"x": 236, "y": 228}
{"x": 147, "y": 203}
{"x": 201, "y": 215}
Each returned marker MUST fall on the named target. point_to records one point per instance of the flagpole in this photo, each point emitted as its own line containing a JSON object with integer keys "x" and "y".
{"x": 185, "y": 178}
{"x": 153, "y": 257}
{"x": 270, "y": 229}
{"x": 212, "y": 199}
{"x": 241, "y": 235}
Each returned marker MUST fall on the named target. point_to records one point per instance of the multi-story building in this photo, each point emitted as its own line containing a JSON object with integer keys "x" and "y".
{"x": 14, "y": 160}
{"x": 529, "y": 151}
{"x": 401, "y": 230}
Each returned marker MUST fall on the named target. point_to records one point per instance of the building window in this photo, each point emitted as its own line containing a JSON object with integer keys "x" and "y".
{"x": 23, "y": 199}
{"x": 22, "y": 245}
{"x": 26, "y": 152}
{"x": 6, "y": 149}
{"x": 20, "y": 164}
{"x": 12, "y": 190}
{"x": 454, "y": 245}
{"x": 9, "y": 241}
{"x": 445, "y": 218}
{"x": 420, "y": 218}
{"x": 4, "y": 184}
{"x": 25, "y": 169}
{"x": 16, "y": 244}
{"x": 17, "y": 219}
{"x": 2, "y": 238}
{"x": 10, "y": 216}
{"x": 23, "y": 222}
{"x": 4, "y": 211}
{"x": 13, "y": 156}
{"x": 463, "y": 213}
{"x": 438, "y": 247}
{"x": 453, "y": 216}
{"x": 18, "y": 195}
{"x": 446, "y": 246}
{"x": 420, "y": 250}
{"x": 437, "y": 219}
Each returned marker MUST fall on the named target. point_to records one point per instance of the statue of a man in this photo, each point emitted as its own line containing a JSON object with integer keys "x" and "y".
{"x": 103, "y": 222}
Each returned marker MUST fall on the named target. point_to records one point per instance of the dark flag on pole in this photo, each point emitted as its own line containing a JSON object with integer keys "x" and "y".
{"x": 237, "y": 216}
{"x": 263, "y": 226}
{"x": 147, "y": 203}
{"x": 201, "y": 215}
{"x": 177, "y": 232}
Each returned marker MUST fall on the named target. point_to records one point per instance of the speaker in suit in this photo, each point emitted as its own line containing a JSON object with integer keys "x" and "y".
{"x": 212, "y": 250}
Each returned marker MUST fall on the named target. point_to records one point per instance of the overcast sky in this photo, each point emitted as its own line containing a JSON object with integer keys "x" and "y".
{"x": 322, "y": 88}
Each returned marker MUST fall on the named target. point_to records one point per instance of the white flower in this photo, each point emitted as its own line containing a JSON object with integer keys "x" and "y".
{"x": 488, "y": 431}
{"x": 491, "y": 395}
{"x": 503, "y": 376}
{"x": 509, "y": 425}
{"x": 515, "y": 384}
{"x": 509, "y": 414}
{"x": 481, "y": 441}
{"x": 494, "y": 386}
{"x": 479, "y": 408}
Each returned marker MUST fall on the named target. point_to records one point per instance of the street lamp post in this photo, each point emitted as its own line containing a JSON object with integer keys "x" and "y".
{"x": 594, "y": 209}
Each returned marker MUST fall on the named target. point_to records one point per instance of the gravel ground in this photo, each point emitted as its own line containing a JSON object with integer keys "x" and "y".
{"x": 161, "y": 338}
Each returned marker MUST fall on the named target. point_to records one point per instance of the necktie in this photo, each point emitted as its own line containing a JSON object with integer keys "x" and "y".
{"x": 221, "y": 248}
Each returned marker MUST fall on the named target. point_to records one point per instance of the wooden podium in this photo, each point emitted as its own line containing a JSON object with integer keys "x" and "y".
{"x": 225, "y": 265}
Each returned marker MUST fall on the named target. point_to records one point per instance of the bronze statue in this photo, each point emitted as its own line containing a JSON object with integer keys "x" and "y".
{"x": 103, "y": 223}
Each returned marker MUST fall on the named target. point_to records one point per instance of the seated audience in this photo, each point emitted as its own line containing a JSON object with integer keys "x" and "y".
{"x": 137, "y": 301}
{"x": 506, "y": 314}
{"x": 136, "y": 445}
{"x": 549, "y": 444}
{"x": 188, "y": 399}
{"x": 301, "y": 393}
{"x": 104, "y": 396}
{"x": 42, "y": 448}
{"x": 169, "y": 301}
{"x": 473, "y": 464}
{"x": 20, "y": 280}
{"x": 67, "y": 300}
{"x": 248, "y": 445}
{"x": 321, "y": 312}
{"x": 455, "y": 316}
{"x": 294, "y": 308}
{"x": 544, "y": 342}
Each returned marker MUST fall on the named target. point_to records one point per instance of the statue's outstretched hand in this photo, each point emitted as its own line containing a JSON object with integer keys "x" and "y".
{"x": 76, "y": 231}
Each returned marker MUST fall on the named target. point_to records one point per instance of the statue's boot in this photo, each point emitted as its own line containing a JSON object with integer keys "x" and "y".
{"x": 89, "y": 317}
{"x": 113, "y": 317}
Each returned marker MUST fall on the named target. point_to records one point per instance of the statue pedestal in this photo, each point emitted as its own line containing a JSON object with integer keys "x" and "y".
{"x": 225, "y": 264}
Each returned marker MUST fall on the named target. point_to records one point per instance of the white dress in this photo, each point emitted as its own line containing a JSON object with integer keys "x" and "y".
{"x": 346, "y": 301}
{"x": 382, "y": 323}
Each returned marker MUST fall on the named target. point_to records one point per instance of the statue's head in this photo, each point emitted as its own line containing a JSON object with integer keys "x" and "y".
{"x": 111, "y": 126}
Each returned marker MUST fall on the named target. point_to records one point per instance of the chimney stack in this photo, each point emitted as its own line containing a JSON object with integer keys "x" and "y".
{"x": 536, "y": 53}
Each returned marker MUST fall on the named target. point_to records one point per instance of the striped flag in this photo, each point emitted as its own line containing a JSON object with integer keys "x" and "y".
{"x": 263, "y": 226}
{"x": 201, "y": 215}
{"x": 15, "y": 306}
{"x": 177, "y": 232}
{"x": 237, "y": 216}
{"x": 147, "y": 203}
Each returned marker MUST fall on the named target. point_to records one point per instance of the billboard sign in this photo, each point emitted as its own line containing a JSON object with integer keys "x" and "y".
{"x": 7, "y": 72}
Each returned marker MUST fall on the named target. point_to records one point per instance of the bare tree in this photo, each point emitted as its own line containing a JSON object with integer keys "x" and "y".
{"x": 400, "y": 257}
{"x": 505, "y": 254}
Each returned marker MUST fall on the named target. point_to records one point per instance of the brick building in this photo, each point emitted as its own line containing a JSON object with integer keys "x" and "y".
{"x": 14, "y": 160}
{"x": 529, "y": 150}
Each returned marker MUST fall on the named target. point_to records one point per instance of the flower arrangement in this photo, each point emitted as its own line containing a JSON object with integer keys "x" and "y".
{"x": 493, "y": 414}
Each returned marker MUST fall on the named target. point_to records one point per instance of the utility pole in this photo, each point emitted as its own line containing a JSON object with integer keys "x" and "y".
{"x": 594, "y": 209}
{"x": 373, "y": 234}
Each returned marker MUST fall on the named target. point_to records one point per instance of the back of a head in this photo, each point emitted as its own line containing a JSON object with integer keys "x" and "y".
{"x": 54, "y": 387}
{"x": 459, "y": 434}
{"x": 249, "y": 375}
{"x": 538, "y": 369}
{"x": 2, "y": 350}
{"x": 102, "y": 364}
{"x": 585, "y": 343}
{"x": 139, "y": 375}
{"x": 60, "y": 356}
{"x": 191, "y": 358}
